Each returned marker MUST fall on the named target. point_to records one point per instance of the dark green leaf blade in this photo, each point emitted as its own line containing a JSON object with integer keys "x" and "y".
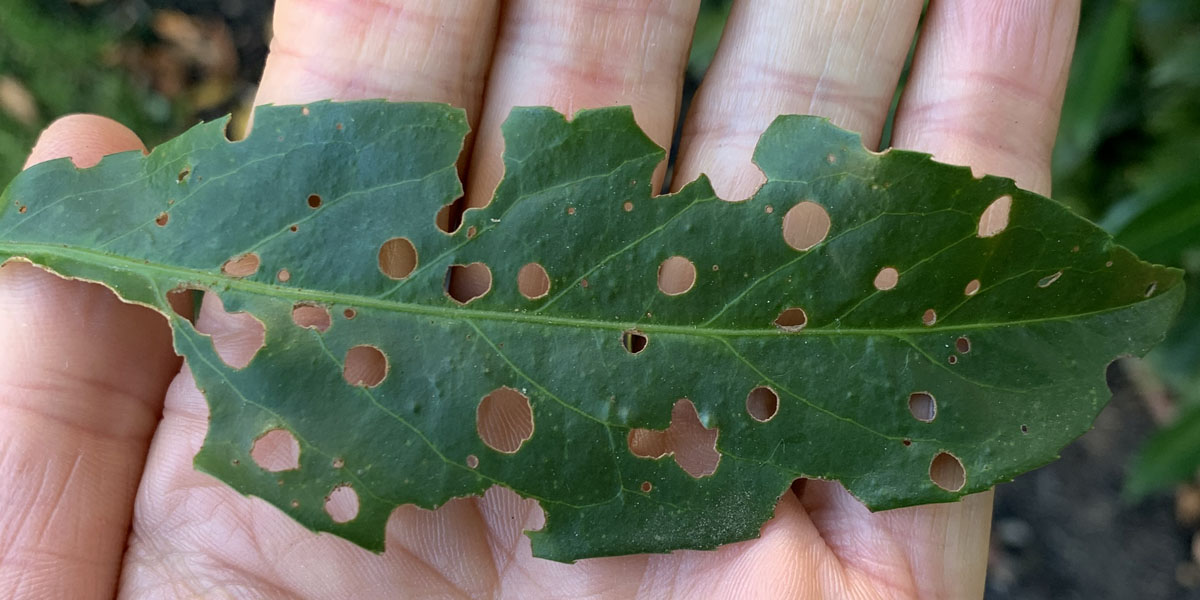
{"x": 1014, "y": 362}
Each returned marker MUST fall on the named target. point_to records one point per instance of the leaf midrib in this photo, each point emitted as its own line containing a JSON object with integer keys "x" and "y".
{"x": 88, "y": 256}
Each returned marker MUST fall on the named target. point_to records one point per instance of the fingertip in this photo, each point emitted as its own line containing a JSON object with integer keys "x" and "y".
{"x": 83, "y": 138}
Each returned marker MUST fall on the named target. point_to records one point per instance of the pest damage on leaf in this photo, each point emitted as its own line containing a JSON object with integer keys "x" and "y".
{"x": 995, "y": 217}
{"x": 365, "y": 366}
{"x": 342, "y": 504}
{"x": 634, "y": 341}
{"x": 762, "y": 403}
{"x": 504, "y": 420}
{"x": 1049, "y": 279}
{"x": 693, "y": 445}
{"x": 805, "y": 225}
{"x": 792, "y": 319}
{"x": 886, "y": 279}
{"x": 533, "y": 282}
{"x": 397, "y": 258}
{"x": 276, "y": 450}
{"x": 923, "y": 406}
{"x": 244, "y": 265}
{"x": 947, "y": 472}
{"x": 311, "y": 316}
{"x": 466, "y": 283}
{"x": 676, "y": 276}
{"x": 789, "y": 296}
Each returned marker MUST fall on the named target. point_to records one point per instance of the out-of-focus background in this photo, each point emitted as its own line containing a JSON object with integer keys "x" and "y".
{"x": 1116, "y": 517}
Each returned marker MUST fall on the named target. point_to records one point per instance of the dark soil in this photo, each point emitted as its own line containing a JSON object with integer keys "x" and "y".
{"x": 1063, "y": 532}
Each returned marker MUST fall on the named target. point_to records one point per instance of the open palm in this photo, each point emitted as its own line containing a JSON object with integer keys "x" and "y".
{"x": 98, "y": 492}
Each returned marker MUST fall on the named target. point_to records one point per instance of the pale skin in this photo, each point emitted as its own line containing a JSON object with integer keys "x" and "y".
{"x": 98, "y": 424}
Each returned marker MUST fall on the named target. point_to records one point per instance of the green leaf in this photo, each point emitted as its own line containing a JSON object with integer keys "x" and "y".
{"x": 1008, "y": 334}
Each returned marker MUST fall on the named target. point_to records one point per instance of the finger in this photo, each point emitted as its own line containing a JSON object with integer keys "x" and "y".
{"x": 574, "y": 54}
{"x": 987, "y": 86}
{"x": 82, "y": 376}
{"x": 839, "y": 60}
{"x": 986, "y": 90}
{"x": 414, "y": 50}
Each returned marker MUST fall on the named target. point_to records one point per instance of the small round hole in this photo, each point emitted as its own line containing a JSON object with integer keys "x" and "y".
{"x": 886, "y": 279}
{"x": 533, "y": 282}
{"x": 241, "y": 266}
{"x": 397, "y": 258}
{"x": 634, "y": 341}
{"x": 342, "y": 504}
{"x": 504, "y": 420}
{"x": 162, "y": 219}
{"x": 963, "y": 345}
{"x": 472, "y": 461}
{"x": 972, "y": 287}
{"x": 805, "y": 225}
{"x": 762, "y": 403}
{"x": 947, "y": 472}
{"x": 929, "y": 318}
{"x": 646, "y": 487}
{"x": 676, "y": 276}
{"x": 923, "y": 406}
{"x": 314, "y": 201}
{"x": 792, "y": 319}
{"x": 365, "y": 365}
{"x": 276, "y": 450}
{"x": 1046, "y": 281}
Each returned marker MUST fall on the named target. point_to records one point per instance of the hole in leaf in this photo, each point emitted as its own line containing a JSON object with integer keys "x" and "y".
{"x": 472, "y": 461}
{"x": 533, "y": 282}
{"x": 183, "y": 175}
{"x": 162, "y": 219}
{"x": 628, "y": 207}
{"x": 805, "y": 225}
{"x": 693, "y": 446}
{"x": 397, "y": 258}
{"x": 947, "y": 472}
{"x": 929, "y": 318}
{"x": 236, "y": 337}
{"x": 963, "y": 345}
{"x": 887, "y": 279}
{"x": 570, "y": 210}
{"x": 646, "y": 487}
{"x": 338, "y": 463}
{"x": 504, "y": 420}
{"x": 276, "y": 450}
{"x": 792, "y": 319}
{"x": 241, "y": 266}
{"x": 1151, "y": 288}
{"x": 365, "y": 366}
{"x": 294, "y": 228}
{"x": 314, "y": 201}
{"x": 923, "y": 406}
{"x": 342, "y": 504}
{"x": 906, "y": 442}
{"x": 312, "y": 316}
{"x": 1024, "y": 429}
{"x": 972, "y": 287}
{"x": 349, "y": 313}
{"x": 995, "y": 217}
{"x": 952, "y": 359}
{"x": 762, "y": 403}
{"x": 676, "y": 276}
{"x": 450, "y": 217}
{"x": 283, "y": 276}
{"x": 465, "y": 283}
{"x": 634, "y": 341}
{"x": 182, "y": 301}
{"x": 1049, "y": 279}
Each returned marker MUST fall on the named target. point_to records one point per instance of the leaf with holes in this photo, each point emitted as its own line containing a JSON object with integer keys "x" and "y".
{"x": 655, "y": 371}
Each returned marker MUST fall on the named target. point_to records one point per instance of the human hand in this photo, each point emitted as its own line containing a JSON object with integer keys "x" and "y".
{"x": 98, "y": 490}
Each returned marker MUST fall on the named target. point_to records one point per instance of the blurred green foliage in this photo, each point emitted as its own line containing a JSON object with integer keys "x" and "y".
{"x": 63, "y": 56}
